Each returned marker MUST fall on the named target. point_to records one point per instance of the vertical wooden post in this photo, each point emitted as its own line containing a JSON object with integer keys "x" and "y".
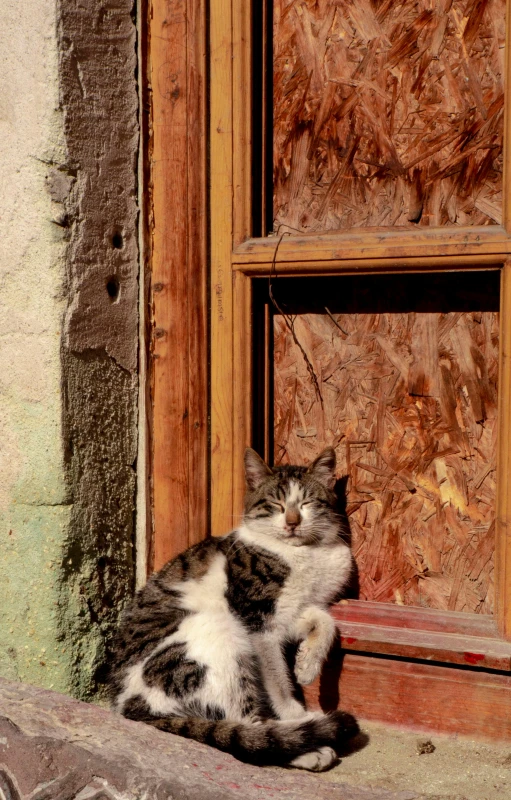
{"x": 242, "y": 123}
{"x": 506, "y": 199}
{"x": 242, "y": 380}
{"x": 230, "y": 224}
{"x": 503, "y": 516}
{"x": 176, "y": 70}
{"x": 221, "y": 127}
{"x": 242, "y": 229}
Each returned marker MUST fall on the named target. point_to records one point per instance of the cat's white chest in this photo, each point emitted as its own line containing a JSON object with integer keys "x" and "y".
{"x": 317, "y": 574}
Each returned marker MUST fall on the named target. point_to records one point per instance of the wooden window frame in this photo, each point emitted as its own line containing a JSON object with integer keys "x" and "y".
{"x": 236, "y": 258}
{"x": 176, "y": 69}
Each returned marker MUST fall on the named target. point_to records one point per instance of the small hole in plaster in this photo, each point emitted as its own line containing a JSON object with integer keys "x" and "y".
{"x": 117, "y": 241}
{"x": 113, "y": 288}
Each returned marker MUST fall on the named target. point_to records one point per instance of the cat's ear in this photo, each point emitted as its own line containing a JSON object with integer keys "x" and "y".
{"x": 255, "y": 469}
{"x": 323, "y": 468}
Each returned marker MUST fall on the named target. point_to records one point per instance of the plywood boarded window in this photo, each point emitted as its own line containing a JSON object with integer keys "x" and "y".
{"x": 407, "y": 368}
{"x": 388, "y": 113}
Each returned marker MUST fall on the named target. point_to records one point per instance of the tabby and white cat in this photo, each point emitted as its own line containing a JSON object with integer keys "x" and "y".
{"x": 200, "y": 651}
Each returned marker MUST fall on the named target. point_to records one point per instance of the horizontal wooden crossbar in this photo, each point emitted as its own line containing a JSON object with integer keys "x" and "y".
{"x": 374, "y": 250}
{"x": 422, "y": 634}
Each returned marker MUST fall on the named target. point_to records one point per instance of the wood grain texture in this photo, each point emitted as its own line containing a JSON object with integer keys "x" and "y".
{"x": 503, "y": 521}
{"x": 221, "y": 197}
{"x": 178, "y": 247}
{"x": 426, "y": 697}
{"x": 374, "y": 250}
{"x": 506, "y": 210}
{"x": 415, "y": 633}
{"x": 242, "y": 388}
{"x": 388, "y": 113}
{"x": 242, "y": 123}
{"x": 144, "y": 542}
{"x": 409, "y": 394}
{"x": 241, "y": 285}
{"x": 367, "y": 612}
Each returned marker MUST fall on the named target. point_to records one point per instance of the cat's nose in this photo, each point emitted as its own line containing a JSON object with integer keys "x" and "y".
{"x": 293, "y": 519}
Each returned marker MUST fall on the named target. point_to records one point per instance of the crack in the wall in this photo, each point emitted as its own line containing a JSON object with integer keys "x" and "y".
{"x": 43, "y": 505}
{"x": 99, "y": 352}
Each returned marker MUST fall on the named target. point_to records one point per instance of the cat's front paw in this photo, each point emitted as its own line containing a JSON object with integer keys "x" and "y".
{"x": 307, "y": 664}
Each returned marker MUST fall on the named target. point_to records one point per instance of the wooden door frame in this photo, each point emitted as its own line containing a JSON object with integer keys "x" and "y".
{"x": 208, "y": 135}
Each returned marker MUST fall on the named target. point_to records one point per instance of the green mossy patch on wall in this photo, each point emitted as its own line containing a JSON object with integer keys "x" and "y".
{"x": 30, "y": 649}
{"x": 98, "y": 559}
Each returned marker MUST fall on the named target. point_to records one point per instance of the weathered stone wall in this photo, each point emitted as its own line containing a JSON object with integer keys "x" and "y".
{"x": 68, "y": 334}
{"x": 97, "y": 45}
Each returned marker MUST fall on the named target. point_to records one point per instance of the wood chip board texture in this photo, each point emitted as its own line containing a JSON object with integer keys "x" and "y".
{"x": 410, "y": 404}
{"x": 387, "y": 113}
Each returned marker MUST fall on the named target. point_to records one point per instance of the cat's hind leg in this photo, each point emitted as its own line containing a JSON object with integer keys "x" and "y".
{"x": 277, "y": 681}
{"x": 231, "y": 678}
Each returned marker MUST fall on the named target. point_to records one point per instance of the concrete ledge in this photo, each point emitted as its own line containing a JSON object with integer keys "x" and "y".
{"x": 56, "y": 748}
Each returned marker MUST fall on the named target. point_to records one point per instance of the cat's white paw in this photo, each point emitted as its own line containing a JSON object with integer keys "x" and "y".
{"x": 307, "y": 664}
{"x": 317, "y": 760}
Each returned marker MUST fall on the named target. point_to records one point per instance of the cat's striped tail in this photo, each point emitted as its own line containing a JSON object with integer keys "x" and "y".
{"x": 272, "y": 742}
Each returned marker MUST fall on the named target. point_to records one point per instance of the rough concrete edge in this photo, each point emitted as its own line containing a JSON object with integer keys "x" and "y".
{"x": 68, "y": 736}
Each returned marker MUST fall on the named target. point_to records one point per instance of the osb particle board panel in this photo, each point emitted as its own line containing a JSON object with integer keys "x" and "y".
{"x": 409, "y": 401}
{"x": 387, "y": 113}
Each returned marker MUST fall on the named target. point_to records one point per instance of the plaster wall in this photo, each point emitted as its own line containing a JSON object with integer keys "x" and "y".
{"x": 68, "y": 335}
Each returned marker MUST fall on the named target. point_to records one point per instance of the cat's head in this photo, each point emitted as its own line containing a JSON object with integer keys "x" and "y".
{"x": 295, "y": 504}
